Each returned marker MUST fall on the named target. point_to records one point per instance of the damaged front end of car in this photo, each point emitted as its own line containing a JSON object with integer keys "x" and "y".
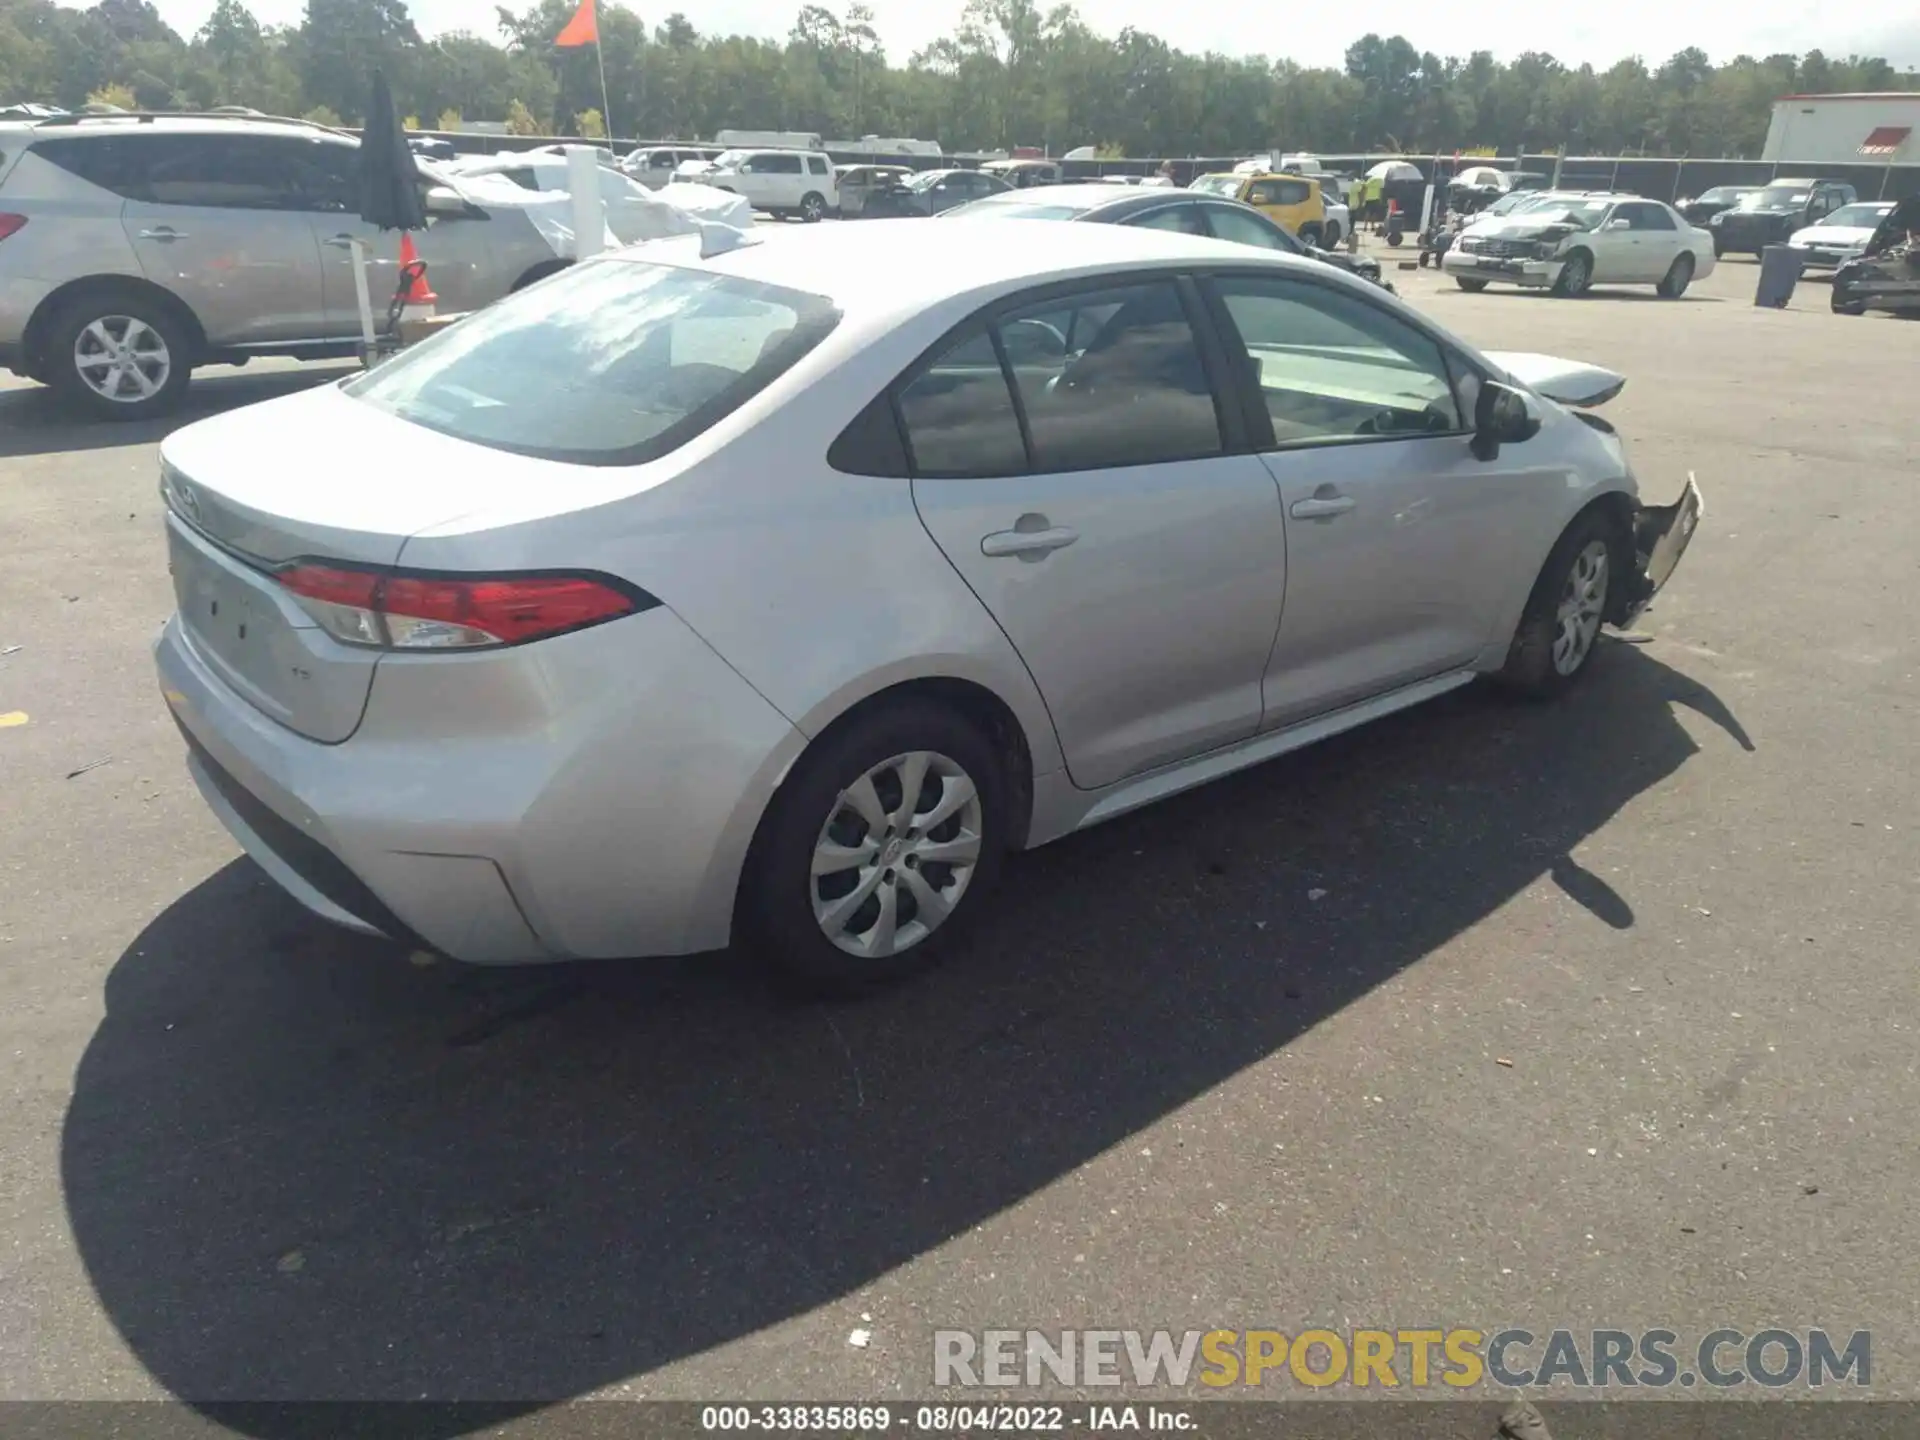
{"x": 1661, "y": 533}
{"x": 1886, "y": 275}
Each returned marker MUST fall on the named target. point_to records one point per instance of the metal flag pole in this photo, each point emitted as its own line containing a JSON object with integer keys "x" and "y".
{"x": 606, "y": 110}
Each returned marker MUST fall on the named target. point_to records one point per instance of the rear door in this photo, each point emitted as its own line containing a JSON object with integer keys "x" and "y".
{"x": 1097, "y": 510}
{"x": 461, "y": 267}
{"x": 1400, "y": 543}
{"x": 218, "y": 219}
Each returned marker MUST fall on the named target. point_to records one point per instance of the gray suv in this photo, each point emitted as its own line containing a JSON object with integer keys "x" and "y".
{"x": 133, "y": 248}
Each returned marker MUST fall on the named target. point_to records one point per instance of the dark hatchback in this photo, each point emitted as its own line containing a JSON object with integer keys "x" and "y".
{"x": 931, "y": 192}
{"x": 1771, "y": 214}
{"x": 1184, "y": 211}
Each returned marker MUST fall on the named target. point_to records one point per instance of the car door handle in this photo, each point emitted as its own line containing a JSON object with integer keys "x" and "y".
{"x": 1028, "y": 542}
{"x": 1321, "y": 507}
{"x": 164, "y": 232}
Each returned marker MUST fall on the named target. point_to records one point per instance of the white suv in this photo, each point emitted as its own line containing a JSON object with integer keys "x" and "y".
{"x": 785, "y": 182}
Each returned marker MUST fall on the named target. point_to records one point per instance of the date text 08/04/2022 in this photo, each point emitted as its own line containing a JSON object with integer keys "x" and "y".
{"x": 948, "y": 1419}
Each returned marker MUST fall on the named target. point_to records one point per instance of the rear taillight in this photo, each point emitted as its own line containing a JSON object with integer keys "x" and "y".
{"x": 454, "y": 612}
{"x": 10, "y": 223}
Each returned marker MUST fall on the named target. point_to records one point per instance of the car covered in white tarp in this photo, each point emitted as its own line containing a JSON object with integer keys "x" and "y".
{"x": 634, "y": 213}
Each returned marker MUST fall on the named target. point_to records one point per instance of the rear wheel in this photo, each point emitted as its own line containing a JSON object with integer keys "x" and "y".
{"x": 1334, "y": 235}
{"x": 878, "y": 850}
{"x": 1470, "y": 285}
{"x": 1310, "y": 235}
{"x": 1842, "y": 304}
{"x": 1560, "y": 628}
{"x": 119, "y": 354}
{"x": 1679, "y": 276}
{"x": 813, "y": 206}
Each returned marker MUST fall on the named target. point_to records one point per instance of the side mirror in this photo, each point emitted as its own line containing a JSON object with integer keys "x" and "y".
{"x": 1502, "y": 416}
{"x": 1619, "y": 224}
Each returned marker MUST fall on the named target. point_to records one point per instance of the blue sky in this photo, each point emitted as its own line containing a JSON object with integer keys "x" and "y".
{"x": 1310, "y": 34}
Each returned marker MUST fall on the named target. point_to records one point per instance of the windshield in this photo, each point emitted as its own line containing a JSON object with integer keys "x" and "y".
{"x": 1507, "y": 204}
{"x": 1776, "y": 197}
{"x": 1581, "y": 214}
{"x": 1864, "y": 217}
{"x": 1725, "y": 194}
{"x": 1228, "y": 185}
{"x": 615, "y": 362}
{"x": 727, "y": 159}
{"x": 925, "y": 180}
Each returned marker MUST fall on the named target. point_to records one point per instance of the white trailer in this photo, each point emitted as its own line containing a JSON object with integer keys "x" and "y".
{"x": 1859, "y": 129}
{"x": 768, "y": 140}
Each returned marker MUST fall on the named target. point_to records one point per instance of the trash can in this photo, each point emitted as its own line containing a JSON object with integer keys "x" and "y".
{"x": 1780, "y": 267}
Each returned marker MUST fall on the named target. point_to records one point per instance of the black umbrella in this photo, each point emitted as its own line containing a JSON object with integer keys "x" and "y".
{"x": 389, "y": 180}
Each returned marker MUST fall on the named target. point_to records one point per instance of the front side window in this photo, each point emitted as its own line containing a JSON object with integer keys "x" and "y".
{"x": 1333, "y": 367}
{"x": 777, "y": 165}
{"x": 1644, "y": 217}
{"x": 614, "y": 362}
{"x": 1228, "y": 185}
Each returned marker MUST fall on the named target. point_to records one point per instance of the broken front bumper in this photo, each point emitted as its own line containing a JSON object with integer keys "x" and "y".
{"x": 1661, "y": 534}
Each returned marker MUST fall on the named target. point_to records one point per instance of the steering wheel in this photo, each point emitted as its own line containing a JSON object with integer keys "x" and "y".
{"x": 1042, "y": 339}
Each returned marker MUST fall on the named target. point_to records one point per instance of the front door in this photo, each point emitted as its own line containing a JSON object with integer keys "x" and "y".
{"x": 1136, "y": 566}
{"x": 215, "y": 218}
{"x": 1655, "y": 237}
{"x": 1398, "y": 539}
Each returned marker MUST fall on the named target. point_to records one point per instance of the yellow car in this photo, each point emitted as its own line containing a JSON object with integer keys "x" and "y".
{"x": 1293, "y": 202}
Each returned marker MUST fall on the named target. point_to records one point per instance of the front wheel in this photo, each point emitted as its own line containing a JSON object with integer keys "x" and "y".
{"x": 119, "y": 355}
{"x": 1679, "y": 276}
{"x": 1576, "y": 275}
{"x": 877, "y": 850}
{"x": 1395, "y": 234}
{"x": 1310, "y": 235}
{"x": 812, "y": 207}
{"x": 1470, "y": 285}
{"x": 1560, "y": 627}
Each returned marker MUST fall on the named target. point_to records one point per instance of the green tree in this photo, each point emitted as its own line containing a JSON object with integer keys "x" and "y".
{"x": 449, "y": 120}
{"x": 520, "y": 120}
{"x": 121, "y": 97}
{"x": 589, "y": 125}
{"x": 344, "y": 41}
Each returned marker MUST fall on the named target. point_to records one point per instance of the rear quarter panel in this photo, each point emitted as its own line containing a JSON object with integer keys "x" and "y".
{"x": 73, "y": 231}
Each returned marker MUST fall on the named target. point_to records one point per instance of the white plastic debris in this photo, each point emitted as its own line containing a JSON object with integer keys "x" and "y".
{"x": 860, "y": 1339}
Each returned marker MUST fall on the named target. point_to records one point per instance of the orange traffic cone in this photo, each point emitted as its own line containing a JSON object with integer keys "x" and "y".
{"x": 419, "y": 300}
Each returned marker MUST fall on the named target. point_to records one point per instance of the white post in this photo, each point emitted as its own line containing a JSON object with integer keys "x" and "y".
{"x": 589, "y": 208}
{"x": 1426, "y": 205}
{"x": 360, "y": 294}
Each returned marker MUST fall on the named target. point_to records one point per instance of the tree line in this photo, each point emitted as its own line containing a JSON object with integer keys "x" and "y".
{"x": 1011, "y": 74}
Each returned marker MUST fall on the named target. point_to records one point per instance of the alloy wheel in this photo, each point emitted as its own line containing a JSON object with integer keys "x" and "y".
{"x": 122, "y": 358}
{"x": 896, "y": 856}
{"x": 1583, "y": 599}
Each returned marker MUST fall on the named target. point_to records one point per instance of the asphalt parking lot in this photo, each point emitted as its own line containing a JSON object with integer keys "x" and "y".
{"x": 1591, "y": 1015}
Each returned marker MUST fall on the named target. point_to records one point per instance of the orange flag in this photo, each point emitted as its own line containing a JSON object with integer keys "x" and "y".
{"x": 582, "y": 29}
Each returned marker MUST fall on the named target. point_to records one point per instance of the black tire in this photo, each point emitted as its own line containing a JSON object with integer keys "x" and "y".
{"x": 1679, "y": 276}
{"x": 1530, "y": 668}
{"x": 1840, "y": 305}
{"x": 120, "y": 313}
{"x": 1334, "y": 235}
{"x": 1719, "y": 247}
{"x": 778, "y": 888}
{"x": 539, "y": 272}
{"x": 1310, "y": 235}
{"x": 1470, "y": 285}
{"x": 813, "y": 207}
{"x": 1576, "y": 275}
{"x": 1395, "y": 234}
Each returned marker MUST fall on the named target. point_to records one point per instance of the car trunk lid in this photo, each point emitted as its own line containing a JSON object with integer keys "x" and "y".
{"x": 245, "y": 498}
{"x": 1570, "y": 382}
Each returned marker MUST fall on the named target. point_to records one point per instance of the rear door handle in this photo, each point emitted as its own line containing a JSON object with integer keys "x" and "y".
{"x": 164, "y": 232}
{"x": 1028, "y": 542}
{"x": 1321, "y": 507}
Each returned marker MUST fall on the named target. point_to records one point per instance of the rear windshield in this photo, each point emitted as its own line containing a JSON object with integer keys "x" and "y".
{"x": 615, "y": 362}
{"x": 1038, "y": 210}
{"x": 1775, "y": 197}
{"x": 1867, "y": 215}
{"x": 1228, "y": 185}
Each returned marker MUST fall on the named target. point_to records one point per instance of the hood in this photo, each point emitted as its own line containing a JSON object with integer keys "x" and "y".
{"x": 1843, "y": 236}
{"x": 1570, "y": 382}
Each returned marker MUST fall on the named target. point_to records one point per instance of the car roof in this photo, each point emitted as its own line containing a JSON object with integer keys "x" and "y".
{"x": 924, "y": 262}
{"x": 70, "y": 127}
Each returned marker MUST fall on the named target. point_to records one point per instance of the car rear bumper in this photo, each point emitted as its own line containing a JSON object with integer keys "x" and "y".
{"x": 1823, "y": 258}
{"x": 614, "y": 823}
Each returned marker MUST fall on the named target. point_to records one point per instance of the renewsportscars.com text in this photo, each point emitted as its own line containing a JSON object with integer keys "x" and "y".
{"x": 1414, "y": 1359}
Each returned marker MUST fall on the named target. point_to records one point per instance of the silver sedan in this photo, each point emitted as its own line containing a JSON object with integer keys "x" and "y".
{"x": 776, "y": 593}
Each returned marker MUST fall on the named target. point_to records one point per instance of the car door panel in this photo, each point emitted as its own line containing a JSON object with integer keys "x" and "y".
{"x": 213, "y": 219}
{"x": 1136, "y": 566}
{"x": 1398, "y": 539}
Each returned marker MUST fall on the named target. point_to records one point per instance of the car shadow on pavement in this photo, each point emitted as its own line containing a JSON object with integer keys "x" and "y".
{"x": 299, "y": 1166}
{"x": 34, "y": 421}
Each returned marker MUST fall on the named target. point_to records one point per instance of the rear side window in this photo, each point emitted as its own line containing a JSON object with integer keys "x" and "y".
{"x": 1245, "y": 227}
{"x": 959, "y": 414}
{"x": 1101, "y": 380}
{"x": 816, "y": 164}
{"x": 777, "y": 164}
{"x": 615, "y": 362}
{"x": 227, "y": 172}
